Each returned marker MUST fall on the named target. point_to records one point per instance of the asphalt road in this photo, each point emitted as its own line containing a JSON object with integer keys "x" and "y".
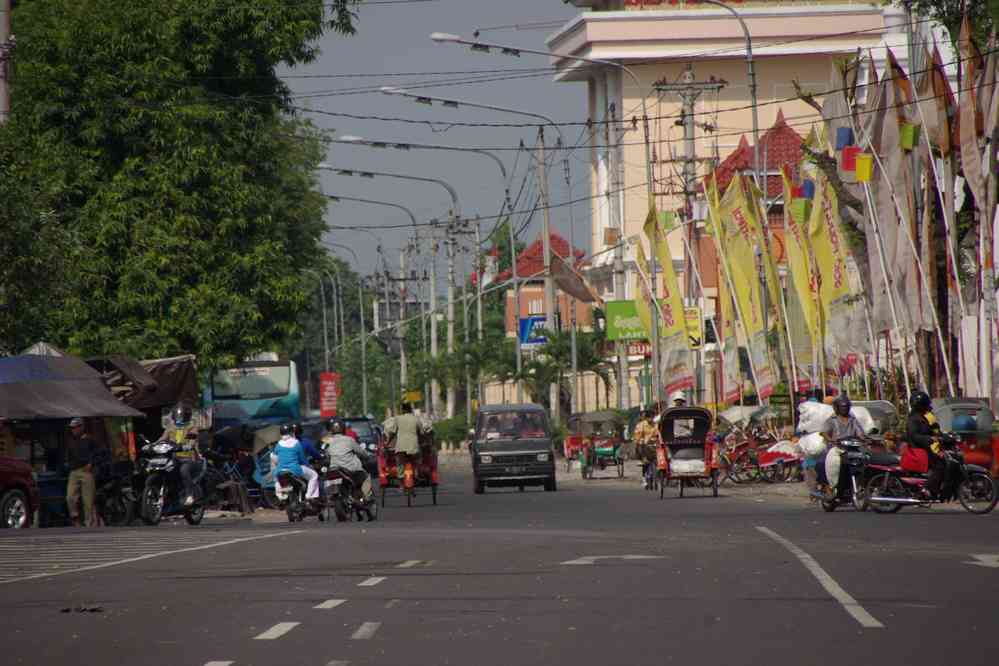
{"x": 597, "y": 573}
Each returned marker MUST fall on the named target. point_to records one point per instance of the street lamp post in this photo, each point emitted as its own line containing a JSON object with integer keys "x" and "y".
{"x": 649, "y": 182}
{"x": 455, "y": 214}
{"x": 364, "y": 341}
{"x": 326, "y": 337}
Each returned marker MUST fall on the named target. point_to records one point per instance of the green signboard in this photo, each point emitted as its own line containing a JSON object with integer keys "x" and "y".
{"x": 623, "y": 322}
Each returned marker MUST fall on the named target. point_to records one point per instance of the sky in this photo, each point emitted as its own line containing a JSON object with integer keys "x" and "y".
{"x": 394, "y": 39}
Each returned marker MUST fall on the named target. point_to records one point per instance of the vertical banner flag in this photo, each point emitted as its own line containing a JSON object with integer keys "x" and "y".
{"x": 799, "y": 260}
{"x": 673, "y": 343}
{"x": 731, "y": 374}
{"x": 737, "y": 242}
{"x": 329, "y": 393}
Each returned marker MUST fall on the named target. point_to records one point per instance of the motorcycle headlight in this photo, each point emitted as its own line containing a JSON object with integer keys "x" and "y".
{"x": 162, "y": 448}
{"x": 542, "y": 457}
{"x": 485, "y": 459}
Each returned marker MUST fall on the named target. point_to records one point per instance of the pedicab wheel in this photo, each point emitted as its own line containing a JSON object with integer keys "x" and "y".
{"x": 384, "y": 488}
{"x": 682, "y": 483}
{"x": 714, "y": 483}
{"x": 978, "y": 493}
{"x": 884, "y": 485}
{"x": 433, "y": 493}
{"x": 661, "y": 476}
{"x": 620, "y": 468}
{"x": 409, "y": 496}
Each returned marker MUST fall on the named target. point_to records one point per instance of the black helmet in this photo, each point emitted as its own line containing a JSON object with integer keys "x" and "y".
{"x": 920, "y": 402}
{"x": 841, "y": 405}
{"x": 335, "y": 425}
{"x": 296, "y": 430}
{"x": 181, "y": 414}
{"x": 287, "y": 429}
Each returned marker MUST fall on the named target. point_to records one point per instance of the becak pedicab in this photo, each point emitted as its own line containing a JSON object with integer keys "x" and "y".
{"x": 690, "y": 453}
{"x": 596, "y": 441}
{"x": 406, "y": 464}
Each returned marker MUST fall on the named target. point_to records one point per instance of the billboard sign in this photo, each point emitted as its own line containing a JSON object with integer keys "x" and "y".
{"x": 329, "y": 393}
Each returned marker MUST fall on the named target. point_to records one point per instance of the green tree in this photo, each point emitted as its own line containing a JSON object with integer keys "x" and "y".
{"x": 164, "y": 138}
{"x": 983, "y": 15}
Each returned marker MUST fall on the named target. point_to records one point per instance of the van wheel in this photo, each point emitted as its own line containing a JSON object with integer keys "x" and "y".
{"x": 14, "y": 510}
{"x": 480, "y": 487}
{"x": 551, "y": 485}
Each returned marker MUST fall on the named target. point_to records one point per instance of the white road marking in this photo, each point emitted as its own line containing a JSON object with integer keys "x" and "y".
{"x": 337, "y": 662}
{"x": 849, "y": 604}
{"x": 277, "y": 631}
{"x": 366, "y": 631}
{"x": 990, "y": 561}
{"x": 392, "y": 603}
{"x": 371, "y": 582}
{"x": 408, "y": 564}
{"x": 219, "y": 663}
{"x": 592, "y": 559}
{"x": 330, "y": 603}
{"x": 73, "y": 563}
{"x": 429, "y": 563}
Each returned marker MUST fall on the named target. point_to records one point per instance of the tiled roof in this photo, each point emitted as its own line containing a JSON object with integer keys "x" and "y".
{"x": 531, "y": 261}
{"x": 780, "y": 146}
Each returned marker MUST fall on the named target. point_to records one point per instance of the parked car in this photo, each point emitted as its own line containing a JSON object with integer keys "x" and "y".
{"x": 19, "y": 498}
{"x": 512, "y": 446}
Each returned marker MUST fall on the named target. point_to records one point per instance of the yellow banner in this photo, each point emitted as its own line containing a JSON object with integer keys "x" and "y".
{"x": 758, "y": 223}
{"x": 799, "y": 262}
{"x": 672, "y": 301}
{"x": 830, "y": 252}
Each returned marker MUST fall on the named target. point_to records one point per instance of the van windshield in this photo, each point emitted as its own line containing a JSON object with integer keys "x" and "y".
{"x": 512, "y": 425}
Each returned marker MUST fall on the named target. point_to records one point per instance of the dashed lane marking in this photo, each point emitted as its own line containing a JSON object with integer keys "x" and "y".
{"x": 331, "y": 603}
{"x": 46, "y": 556}
{"x": 593, "y": 559}
{"x": 277, "y": 631}
{"x": 990, "y": 561}
{"x": 392, "y": 603}
{"x": 338, "y": 662}
{"x": 849, "y": 604}
{"x": 366, "y": 631}
{"x": 219, "y": 663}
{"x": 429, "y": 563}
{"x": 371, "y": 582}
{"x": 408, "y": 564}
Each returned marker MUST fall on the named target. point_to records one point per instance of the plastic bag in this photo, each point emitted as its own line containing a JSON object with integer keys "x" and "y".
{"x": 812, "y": 445}
{"x": 813, "y": 416}
{"x": 683, "y": 467}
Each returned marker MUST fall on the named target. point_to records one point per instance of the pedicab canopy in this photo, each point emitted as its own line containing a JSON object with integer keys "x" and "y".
{"x": 54, "y": 387}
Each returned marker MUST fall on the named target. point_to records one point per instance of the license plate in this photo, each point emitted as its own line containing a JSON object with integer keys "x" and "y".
{"x": 334, "y": 482}
{"x": 158, "y": 461}
{"x": 516, "y": 470}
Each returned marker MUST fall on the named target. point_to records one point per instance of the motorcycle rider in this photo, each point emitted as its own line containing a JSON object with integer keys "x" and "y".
{"x": 841, "y": 425}
{"x": 923, "y": 432}
{"x": 183, "y": 433}
{"x": 289, "y": 456}
{"x": 646, "y": 435}
{"x": 346, "y": 454}
{"x": 308, "y": 446}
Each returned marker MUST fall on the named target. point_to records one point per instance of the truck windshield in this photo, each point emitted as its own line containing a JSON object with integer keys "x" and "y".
{"x": 511, "y": 425}
{"x": 255, "y": 382}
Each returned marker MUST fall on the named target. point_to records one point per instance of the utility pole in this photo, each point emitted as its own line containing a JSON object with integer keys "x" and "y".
{"x": 6, "y": 45}
{"x": 689, "y": 90}
{"x": 613, "y": 210}
{"x": 400, "y": 329}
{"x": 364, "y": 350}
{"x": 574, "y": 404}
{"x": 435, "y": 389}
{"x": 450, "y": 241}
{"x": 516, "y": 304}
{"x": 550, "y": 302}
{"x": 478, "y": 303}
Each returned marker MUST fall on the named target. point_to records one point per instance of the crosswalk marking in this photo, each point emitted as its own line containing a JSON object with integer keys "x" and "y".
{"x": 366, "y": 631}
{"x": 371, "y": 582}
{"x": 277, "y": 631}
{"x": 35, "y": 556}
{"x": 332, "y": 603}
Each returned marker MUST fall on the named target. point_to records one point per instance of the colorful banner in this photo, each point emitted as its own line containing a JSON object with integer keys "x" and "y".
{"x": 737, "y": 242}
{"x": 329, "y": 393}
{"x": 830, "y": 254}
{"x": 623, "y": 322}
{"x": 731, "y": 385}
{"x": 799, "y": 260}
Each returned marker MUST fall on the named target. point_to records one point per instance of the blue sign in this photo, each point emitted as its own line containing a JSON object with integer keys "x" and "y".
{"x": 527, "y": 333}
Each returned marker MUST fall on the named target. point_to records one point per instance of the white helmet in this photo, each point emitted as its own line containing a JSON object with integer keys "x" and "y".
{"x": 678, "y": 396}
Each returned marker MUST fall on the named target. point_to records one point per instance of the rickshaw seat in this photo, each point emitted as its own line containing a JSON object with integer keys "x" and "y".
{"x": 687, "y": 453}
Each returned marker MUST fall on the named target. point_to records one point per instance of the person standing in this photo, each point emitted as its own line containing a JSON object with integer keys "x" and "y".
{"x": 80, "y": 461}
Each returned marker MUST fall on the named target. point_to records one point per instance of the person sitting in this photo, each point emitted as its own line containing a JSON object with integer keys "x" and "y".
{"x": 346, "y": 455}
{"x": 923, "y": 432}
{"x": 288, "y": 456}
{"x": 646, "y": 436}
{"x": 841, "y": 425}
{"x": 308, "y": 446}
{"x": 183, "y": 433}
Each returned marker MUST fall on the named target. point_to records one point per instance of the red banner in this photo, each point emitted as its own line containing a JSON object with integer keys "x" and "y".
{"x": 329, "y": 393}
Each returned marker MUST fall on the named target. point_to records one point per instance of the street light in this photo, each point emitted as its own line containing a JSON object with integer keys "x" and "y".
{"x": 485, "y": 47}
{"x": 504, "y": 182}
{"x": 752, "y": 88}
{"x": 455, "y": 213}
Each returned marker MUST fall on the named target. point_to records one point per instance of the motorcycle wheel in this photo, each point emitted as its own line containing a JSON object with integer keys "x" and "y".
{"x": 152, "y": 504}
{"x": 828, "y": 505}
{"x": 340, "y": 509}
{"x": 372, "y": 509}
{"x": 860, "y": 497}
{"x": 195, "y": 514}
{"x": 978, "y": 493}
{"x": 116, "y": 511}
{"x": 880, "y": 486}
{"x": 742, "y": 469}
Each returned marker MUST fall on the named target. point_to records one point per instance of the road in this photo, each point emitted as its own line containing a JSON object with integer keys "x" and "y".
{"x": 597, "y": 573}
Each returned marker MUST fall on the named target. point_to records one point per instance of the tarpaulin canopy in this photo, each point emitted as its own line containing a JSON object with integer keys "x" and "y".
{"x": 176, "y": 381}
{"x": 125, "y": 376}
{"x": 54, "y": 387}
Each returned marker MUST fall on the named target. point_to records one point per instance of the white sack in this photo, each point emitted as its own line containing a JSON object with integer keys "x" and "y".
{"x": 683, "y": 467}
{"x": 812, "y": 445}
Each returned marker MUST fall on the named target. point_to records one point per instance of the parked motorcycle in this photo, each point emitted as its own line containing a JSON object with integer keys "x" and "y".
{"x": 158, "y": 475}
{"x": 892, "y": 487}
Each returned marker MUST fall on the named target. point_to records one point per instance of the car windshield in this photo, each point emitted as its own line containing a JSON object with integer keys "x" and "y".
{"x": 362, "y": 428}
{"x": 248, "y": 383}
{"x": 512, "y": 425}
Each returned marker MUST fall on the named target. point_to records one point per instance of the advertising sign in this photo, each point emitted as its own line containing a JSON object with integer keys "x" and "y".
{"x": 329, "y": 393}
{"x": 529, "y": 338}
{"x": 623, "y": 322}
{"x": 695, "y": 327}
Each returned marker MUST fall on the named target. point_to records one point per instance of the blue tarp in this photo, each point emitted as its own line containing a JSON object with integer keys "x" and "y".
{"x": 54, "y": 387}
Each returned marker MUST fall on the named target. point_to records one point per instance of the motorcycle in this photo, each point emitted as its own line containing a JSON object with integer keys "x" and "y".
{"x": 291, "y": 491}
{"x": 849, "y": 483}
{"x": 339, "y": 488}
{"x": 158, "y": 475}
{"x": 893, "y": 487}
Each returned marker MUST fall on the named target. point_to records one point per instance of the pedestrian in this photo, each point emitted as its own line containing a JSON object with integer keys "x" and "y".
{"x": 80, "y": 461}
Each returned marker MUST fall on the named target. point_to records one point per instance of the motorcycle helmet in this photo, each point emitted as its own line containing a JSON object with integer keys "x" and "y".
{"x": 287, "y": 429}
{"x": 841, "y": 405}
{"x": 296, "y": 430}
{"x": 335, "y": 426}
{"x": 920, "y": 402}
{"x": 181, "y": 414}
{"x": 678, "y": 399}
